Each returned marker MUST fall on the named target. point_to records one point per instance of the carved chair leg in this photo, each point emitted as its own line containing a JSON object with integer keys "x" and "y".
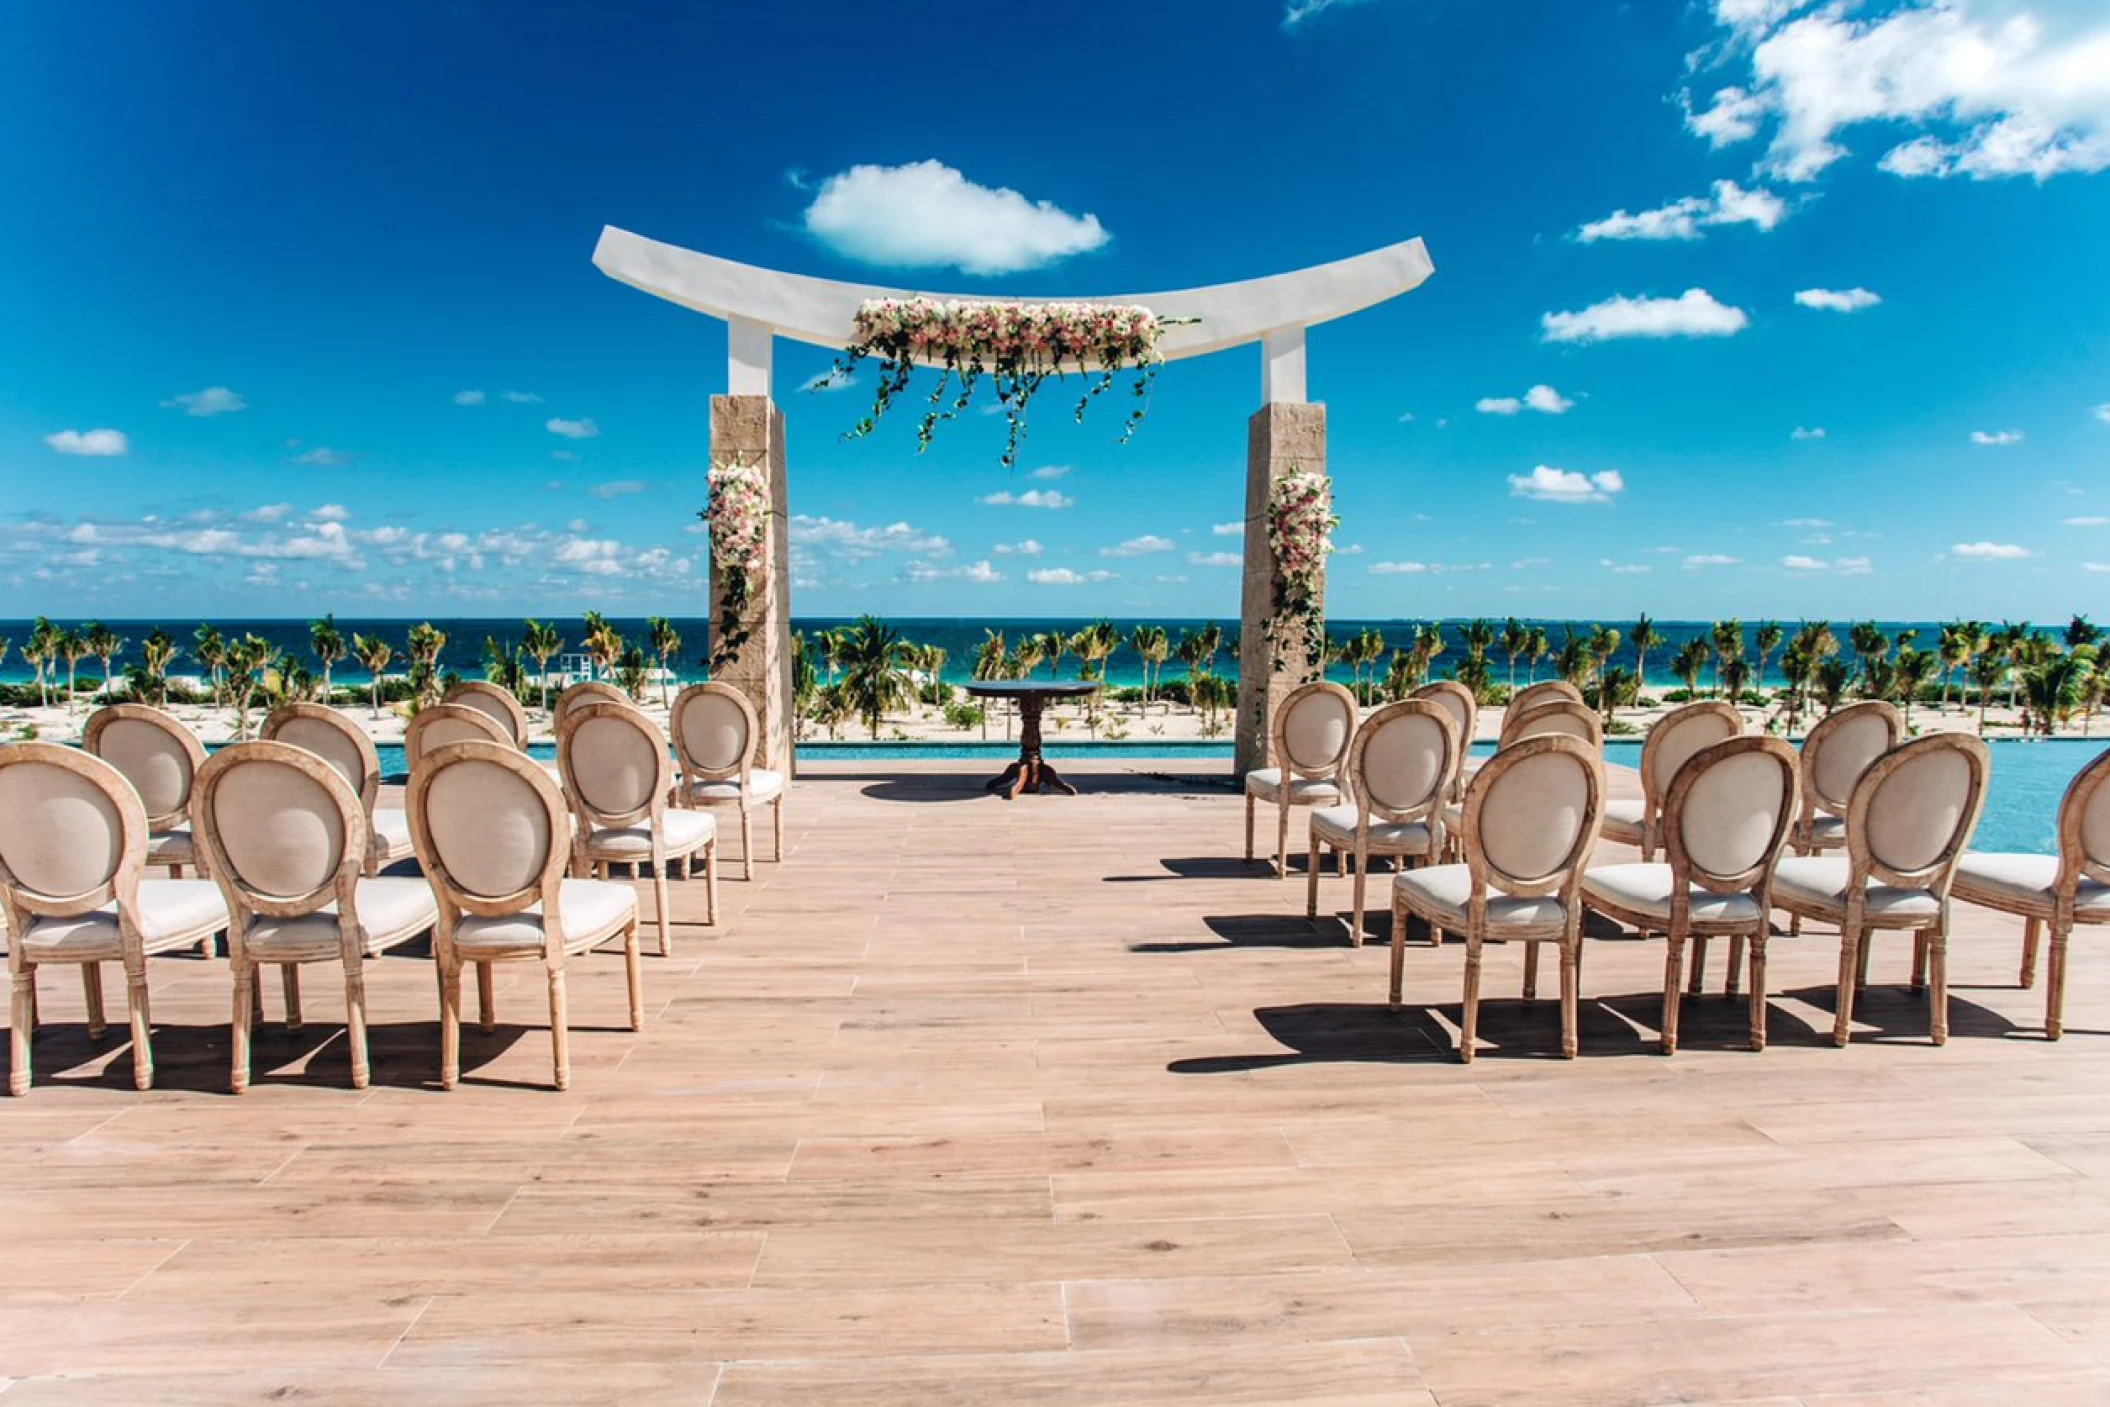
{"x": 1758, "y": 992}
{"x": 633, "y": 973}
{"x": 92, "y": 993}
{"x": 1399, "y": 946}
{"x": 1938, "y": 982}
{"x": 1673, "y": 994}
{"x": 1311, "y": 879}
{"x": 1249, "y": 827}
{"x": 2055, "y": 984}
{"x": 1362, "y": 877}
{"x": 559, "y": 1035}
{"x": 1469, "y": 1024}
{"x": 355, "y": 1020}
{"x": 289, "y": 979}
{"x": 242, "y": 1023}
{"x": 2031, "y": 928}
{"x": 450, "y": 1023}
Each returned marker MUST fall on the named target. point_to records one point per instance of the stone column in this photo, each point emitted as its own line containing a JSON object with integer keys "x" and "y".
{"x": 1281, "y": 436}
{"x": 750, "y": 430}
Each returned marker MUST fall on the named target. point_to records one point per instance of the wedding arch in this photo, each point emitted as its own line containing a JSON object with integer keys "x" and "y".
{"x": 1285, "y": 438}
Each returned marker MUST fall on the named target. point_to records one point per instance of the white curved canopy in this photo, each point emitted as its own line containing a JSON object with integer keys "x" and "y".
{"x": 763, "y": 303}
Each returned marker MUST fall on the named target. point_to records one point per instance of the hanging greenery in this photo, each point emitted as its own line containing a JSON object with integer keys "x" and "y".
{"x": 1300, "y": 524}
{"x": 1016, "y": 346}
{"x": 738, "y": 521}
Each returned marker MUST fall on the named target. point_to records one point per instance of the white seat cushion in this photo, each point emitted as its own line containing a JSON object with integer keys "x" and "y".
{"x": 173, "y": 913}
{"x": 592, "y": 909}
{"x": 1440, "y": 894}
{"x": 174, "y": 847}
{"x": 1815, "y": 886}
{"x": 763, "y": 785}
{"x": 1303, "y": 791}
{"x": 1645, "y": 889}
{"x": 2023, "y": 884}
{"x": 1826, "y": 832}
{"x": 1336, "y": 825}
{"x": 391, "y": 910}
{"x": 392, "y": 839}
{"x": 1623, "y": 820}
{"x": 686, "y": 833}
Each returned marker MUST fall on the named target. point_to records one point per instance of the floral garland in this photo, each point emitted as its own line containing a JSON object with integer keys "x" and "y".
{"x": 1300, "y": 524}
{"x": 1016, "y": 345}
{"x": 738, "y": 520}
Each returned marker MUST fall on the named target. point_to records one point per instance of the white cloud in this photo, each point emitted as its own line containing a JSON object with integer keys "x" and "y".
{"x": 848, "y": 540}
{"x": 331, "y": 513}
{"x": 268, "y": 513}
{"x": 1625, "y": 568}
{"x": 2102, "y": 412}
{"x": 2084, "y": 522}
{"x": 521, "y": 397}
{"x": 100, "y": 444}
{"x": 1498, "y": 405}
{"x": 1854, "y": 566}
{"x": 927, "y": 215}
{"x": 573, "y": 429}
{"x": 1837, "y": 300}
{"x": 1523, "y": 564}
{"x": 833, "y": 379}
{"x": 2095, "y": 566}
{"x": 1566, "y": 485}
{"x": 1815, "y": 432}
{"x": 1227, "y": 530}
{"x": 1406, "y": 417}
{"x": 1050, "y": 471}
{"x": 1847, "y": 566}
{"x": 617, "y": 488}
{"x": 1028, "y": 548}
{"x": 1806, "y": 523}
{"x": 1709, "y": 559}
{"x": 1997, "y": 437}
{"x": 1298, "y": 12}
{"x": 1543, "y": 399}
{"x": 1216, "y": 559}
{"x": 1693, "y": 313}
{"x": 1139, "y": 546}
{"x": 323, "y": 457}
{"x": 1727, "y": 204}
{"x": 1990, "y": 551}
{"x": 1732, "y": 117}
{"x": 213, "y": 400}
{"x": 468, "y": 398}
{"x": 1398, "y": 568}
{"x": 1031, "y": 498}
{"x": 979, "y": 572}
{"x": 1063, "y": 576}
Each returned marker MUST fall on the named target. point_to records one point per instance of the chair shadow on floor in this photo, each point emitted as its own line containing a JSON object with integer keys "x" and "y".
{"x": 1253, "y": 931}
{"x": 1212, "y": 867}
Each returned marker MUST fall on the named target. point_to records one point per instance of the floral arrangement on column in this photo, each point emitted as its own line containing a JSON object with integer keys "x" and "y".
{"x": 1017, "y": 346}
{"x": 738, "y": 521}
{"x": 1300, "y": 524}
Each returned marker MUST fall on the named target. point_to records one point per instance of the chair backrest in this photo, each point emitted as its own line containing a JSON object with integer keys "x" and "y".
{"x": 591, "y": 691}
{"x": 614, "y": 764}
{"x": 1840, "y": 747}
{"x": 490, "y": 830}
{"x": 2084, "y": 826}
{"x": 1914, "y": 809}
{"x": 437, "y": 725}
{"x": 496, "y": 700}
{"x": 1312, "y": 730}
{"x": 155, "y": 752}
{"x": 1555, "y": 718}
{"x": 1403, "y": 761}
{"x": 1727, "y": 814}
{"x": 322, "y": 730}
{"x": 73, "y": 833}
{"x": 1532, "y": 815}
{"x": 286, "y": 832}
{"x": 1676, "y": 737}
{"x": 715, "y": 732}
{"x": 1531, "y": 695}
{"x": 1458, "y": 701}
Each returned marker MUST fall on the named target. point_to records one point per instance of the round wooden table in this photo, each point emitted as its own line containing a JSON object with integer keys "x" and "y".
{"x": 1031, "y": 770}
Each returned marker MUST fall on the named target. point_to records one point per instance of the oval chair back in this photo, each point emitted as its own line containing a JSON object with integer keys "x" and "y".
{"x": 495, "y": 700}
{"x": 1555, "y": 718}
{"x": 1402, "y": 763}
{"x": 1913, "y": 812}
{"x": 1531, "y": 817}
{"x": 1677, "y": 737}
{"x": 591, "y": 691}
{"x": 715, "y": 733}
{"x": 1727, "y": 814}
{"x": 328, "y": 734}
{"x": 1839, "y": 749}
{"x": 73, "y": 836}
{"x": 1458, "y": 701}
{"x": 2084, "y": 828}
{"x": 1310, "y": 733}
{"x": 1546, "y": 690}
{"x": 437, "y": 725}
{"x": 154, "y": 752}
{"x": 614, "y": 764}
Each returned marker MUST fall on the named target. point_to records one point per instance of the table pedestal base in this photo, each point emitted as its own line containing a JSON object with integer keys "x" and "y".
{"x": 1036, "y": 775}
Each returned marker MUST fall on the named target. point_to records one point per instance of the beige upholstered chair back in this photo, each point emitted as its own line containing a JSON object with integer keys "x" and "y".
{"x": 1532, "y": 814}
{"x": 73, "y": 833}
{"x": 1914, "y": 809}
{"x": 1546, "y": 690}
{"x": 1676, "y": 737}
{"x": 285, "y": 829}
{"x": 156, "y": 753}
{"x": 335, "y": 739}
{"x": 490, "y": 828}
{"x": 1458, "y": 701}
{"x": 592, "y": 691}
{"x": 2084, "y": 824}
{"x": 1562, "y": 718}
{"x": 1404, "y": 759}
{"x": 1728, "y": 811}
{"x": 1312, "y": 730}
{"x": 1840, "y": 748}
{"x": 614, "y": 763}
{"x": 441, "y": 724}
{"x": 495, "y": 700}
{"x": 715, "y": 731}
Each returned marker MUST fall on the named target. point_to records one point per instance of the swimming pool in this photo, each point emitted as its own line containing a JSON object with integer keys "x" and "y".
{"x": 2021, "y": 808}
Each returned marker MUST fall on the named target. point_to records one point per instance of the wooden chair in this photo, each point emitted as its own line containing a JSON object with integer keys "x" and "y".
{"x": 1676, "y": 737}
{"x": 492, "y": 836}
{"x": 1401, "y": 765}
{"x": 716, "y": 735}
{"x": 2061, "y": 890}
{"x": 1546, "y": 690}
{"x": 289, "y": 845}
{"x": 160, "y": 758}
{"x": 1553, "y": 717}
{"x": 73, "y": 843}
{"x": 617, "y": 776}
{"x": 495, "y": 700}
{"x": 1458, "y": 701}
{"x": 590, "y": 691}
{"x": 437, "y": 725}
{"x": 1308, "y": 740}
{"x": 1725, "y": 821}
{"x": 1531, "y": 818}
{"x": 328, "y": 734}
{"x": 1838, "y": 749}
{"x": 1910, "y": 817}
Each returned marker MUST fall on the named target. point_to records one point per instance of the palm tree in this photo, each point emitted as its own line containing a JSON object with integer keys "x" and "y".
{"x": 1573, "y": 661}
{"x": 541, "y": 643}
{"x": 374, "y": 653}
{"x": 73, "y": 648}
{"x": 602, "y": 642}
{"x": 2082, "y": 631}
{"x": 1479, "y": 636}
{"x": 805, "y": 681}
{"x": 1795, "y": 672}
{"x": 875, "y": 671}
{"x": 1767, "y": 638}
{"x": 210, "y": 651}
{"x": 1614, "y": 687}
{"x": 1475, "y": 673}
{"x": 1152, "y": 644}
{"x": 1728, "y": 645}
{"x": 156, "y": 651}
{"x": 632, "y": 672}
{"x": 1428, "y": 644}
{"x": 1540, "y": 648}
{"x": 1092, "y": 646}
{"x": 327, "y": 641}
{"x": 502, "y": 665}
{"x": 1688, "y": 663}
{"x": 666, "y": 643}
{"x": 2013, "y": 641}
{"x": 1870, "y": 646}
{"x": 423, "y": 646}
{"x": 246, "y": 659}
{"x": 1401, "y": 678}
{"x": 1516, "y": 643}
{"x": 1954, "y": 649}
{"x": 1986, "y": 672}
{"x": 40, "y": 649}
{"x": 2053, "y": 689}
{"x": 1646, "y": 638}
{"x": 1911, "y": 673}
{"x": 1832, "y": 677}
{"x": 103, "y": 643}
{"x": 1054, "y": 645}
{"x": 1603, "y": 645}
{"x": 1027, "y": 656}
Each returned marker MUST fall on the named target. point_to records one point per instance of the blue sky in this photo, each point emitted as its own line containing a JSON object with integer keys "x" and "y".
{"x": 300, "y": 312}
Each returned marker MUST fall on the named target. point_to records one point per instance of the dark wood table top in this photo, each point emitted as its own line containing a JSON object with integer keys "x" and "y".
{"x": 1029, "y": 688}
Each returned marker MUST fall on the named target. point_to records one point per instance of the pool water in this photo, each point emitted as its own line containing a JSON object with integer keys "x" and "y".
{"x": 2021, "y": 808}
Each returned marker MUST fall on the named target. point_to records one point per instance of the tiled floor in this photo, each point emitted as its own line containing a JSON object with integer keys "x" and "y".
{"x": 1058, "y": 1101}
